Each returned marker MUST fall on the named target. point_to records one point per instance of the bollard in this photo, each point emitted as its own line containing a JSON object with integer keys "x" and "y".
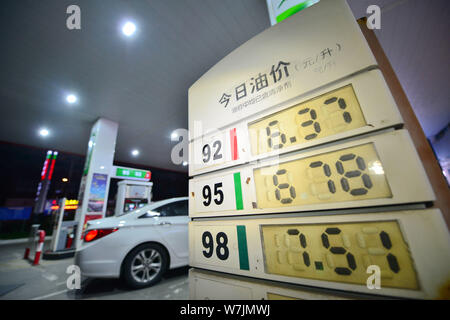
{"x": 34, "y": 229}
{"x": 39, "y": 247}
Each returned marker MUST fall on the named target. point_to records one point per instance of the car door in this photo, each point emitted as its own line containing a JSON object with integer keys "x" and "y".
{"x": 173, "y": 226}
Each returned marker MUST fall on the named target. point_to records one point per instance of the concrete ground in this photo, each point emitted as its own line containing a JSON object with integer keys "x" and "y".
{"x": 20, "y": 280}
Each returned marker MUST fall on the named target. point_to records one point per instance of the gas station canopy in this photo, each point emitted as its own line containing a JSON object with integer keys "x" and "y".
{"x": 131, "y": 80}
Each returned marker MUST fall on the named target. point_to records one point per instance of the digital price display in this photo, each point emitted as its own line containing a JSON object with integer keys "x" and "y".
{"x": 329, "y": 251}
{"x": 323, "y": 116}
{"x": 348, "y": 108}
{"x": 210, "y": 285}
{"x": 366, "y": 172}
{"x": 344, "y": 175}
{"x": 334, "y": 251}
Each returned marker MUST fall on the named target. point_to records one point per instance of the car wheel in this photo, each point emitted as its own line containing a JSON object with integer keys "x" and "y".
{"x": 145, "y": 265}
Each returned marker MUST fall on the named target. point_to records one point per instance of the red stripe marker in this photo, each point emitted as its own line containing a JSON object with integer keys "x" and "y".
{"x": 234, "y": 146}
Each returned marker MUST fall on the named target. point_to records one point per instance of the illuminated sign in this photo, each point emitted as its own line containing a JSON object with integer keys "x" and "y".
{"x": 71, "y": 204}
{"x": 333, "y": 251}
{"x": 365, "y": 172}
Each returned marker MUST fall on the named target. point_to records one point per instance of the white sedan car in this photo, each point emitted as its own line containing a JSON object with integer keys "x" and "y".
{"x": 138, "y": 246}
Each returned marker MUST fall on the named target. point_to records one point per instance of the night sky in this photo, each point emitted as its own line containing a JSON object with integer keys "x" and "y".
{"x": 21, "y": 168}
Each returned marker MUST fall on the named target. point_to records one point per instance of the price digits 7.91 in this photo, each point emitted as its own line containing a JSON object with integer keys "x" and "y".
{"x": 339, "y": 252}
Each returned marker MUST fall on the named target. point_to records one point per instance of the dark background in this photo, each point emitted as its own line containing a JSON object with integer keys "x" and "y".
{"x": 21, "y": 172}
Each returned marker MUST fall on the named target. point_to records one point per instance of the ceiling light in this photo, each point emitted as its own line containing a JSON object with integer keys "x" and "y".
{"x": 71, "y": 98}
{"x": 128, "y": 29}
{"x": 64, "y": 179}
{"x": 135, "y": 153}
{"x": 43, "y": 132}
{"x": 185, "y": 163}
{"x": 174, "y": 135}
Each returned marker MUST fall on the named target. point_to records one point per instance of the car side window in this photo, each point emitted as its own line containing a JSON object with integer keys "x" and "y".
{"x": 165, "y": 210}
{"x": 178, "y": 208}
{"x": 161, "y": 211}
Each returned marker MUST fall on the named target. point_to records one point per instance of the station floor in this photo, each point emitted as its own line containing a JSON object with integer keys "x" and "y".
{"x": 20, "y": 280}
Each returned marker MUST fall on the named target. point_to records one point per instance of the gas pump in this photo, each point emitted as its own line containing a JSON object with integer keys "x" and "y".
{"x": 132, "y": 195}
{"x": 64, "y": 229}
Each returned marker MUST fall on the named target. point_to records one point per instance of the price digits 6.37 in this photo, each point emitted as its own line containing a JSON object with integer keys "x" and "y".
{"x": 310, "y": 125}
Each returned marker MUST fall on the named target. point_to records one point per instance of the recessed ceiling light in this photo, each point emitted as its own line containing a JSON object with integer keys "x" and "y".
{"x": 44, "y": 132}
{"x": 135, "y": 153}
{"x": 64, "y": 179}
{"x": 129, "y": 29}
{"x": 71, "y": 98}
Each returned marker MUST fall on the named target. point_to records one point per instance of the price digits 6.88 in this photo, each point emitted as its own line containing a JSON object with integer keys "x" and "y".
{"x": 365, "y": 181}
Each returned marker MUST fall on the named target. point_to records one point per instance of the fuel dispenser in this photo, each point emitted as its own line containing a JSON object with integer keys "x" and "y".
{"x": 64, "y": 229}
{"x": 132, "y": 195}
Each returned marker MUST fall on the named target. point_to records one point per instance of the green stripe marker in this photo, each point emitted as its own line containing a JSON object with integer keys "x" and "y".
{"x": 242, "y": 245}
{"x": 238, "y": 191}
{"x": 293, "y": 10}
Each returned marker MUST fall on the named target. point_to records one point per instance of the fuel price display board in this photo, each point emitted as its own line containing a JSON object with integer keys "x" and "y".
{"x": 370, "y": 171}
{"x": 302, "y": 173}
{"x": 333, "y": 251}
{"x": 350, "y": 107}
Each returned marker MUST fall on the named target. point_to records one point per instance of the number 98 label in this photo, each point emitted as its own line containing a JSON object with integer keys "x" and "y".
{"x": 224, "y": 246}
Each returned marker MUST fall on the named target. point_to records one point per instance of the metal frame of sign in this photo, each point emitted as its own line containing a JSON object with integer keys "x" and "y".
{"x": 232, "y": 192}
{"x": 231, "y": 146}
{"x": 423, "y": 231}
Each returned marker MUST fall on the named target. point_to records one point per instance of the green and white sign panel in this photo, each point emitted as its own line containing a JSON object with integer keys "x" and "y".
{"x": 283, "y": 9}
{"x": 130, "y": 174}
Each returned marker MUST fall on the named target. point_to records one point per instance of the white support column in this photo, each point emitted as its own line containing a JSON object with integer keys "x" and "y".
{"x": 94, "y": 187}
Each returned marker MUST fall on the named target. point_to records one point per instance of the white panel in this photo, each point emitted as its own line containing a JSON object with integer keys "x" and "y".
{"x": 396, "y": 177}
{"x": 428, "y": 254}
{"x": 376, "y": 103}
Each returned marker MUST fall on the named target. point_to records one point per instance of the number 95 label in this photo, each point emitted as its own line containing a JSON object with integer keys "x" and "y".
{"x": 216, "y": 194}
